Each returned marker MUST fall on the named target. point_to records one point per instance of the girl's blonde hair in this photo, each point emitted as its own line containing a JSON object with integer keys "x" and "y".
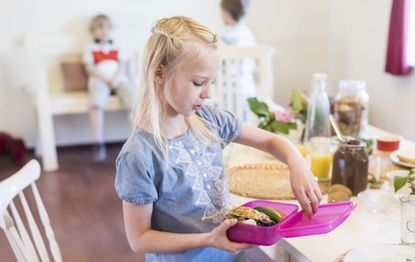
{"x": 172, "y": 40}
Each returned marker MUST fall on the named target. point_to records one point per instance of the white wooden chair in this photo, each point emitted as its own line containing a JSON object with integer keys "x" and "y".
{"x": 227, "y": 91}
{"x": 49, "y": 97}
{"x": 26, "y": 248}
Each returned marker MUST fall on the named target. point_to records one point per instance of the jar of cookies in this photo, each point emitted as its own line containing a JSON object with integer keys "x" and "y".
{"x": 351, "y": 108}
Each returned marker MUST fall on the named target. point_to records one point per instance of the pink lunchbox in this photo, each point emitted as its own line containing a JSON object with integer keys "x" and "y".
{"x": 295, "y": 224}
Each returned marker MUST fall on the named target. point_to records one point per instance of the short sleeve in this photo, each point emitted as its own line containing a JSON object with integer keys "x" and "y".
{"x": 133, "y": 181}
{"x": 226, "y": 124}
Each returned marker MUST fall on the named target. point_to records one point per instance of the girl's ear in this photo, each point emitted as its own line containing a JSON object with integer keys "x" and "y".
{"x": 160, "y": 75}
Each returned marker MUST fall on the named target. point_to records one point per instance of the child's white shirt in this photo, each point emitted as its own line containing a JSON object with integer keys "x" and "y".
{"x": 239, "y": 34}
{"x": 105, "y": 56}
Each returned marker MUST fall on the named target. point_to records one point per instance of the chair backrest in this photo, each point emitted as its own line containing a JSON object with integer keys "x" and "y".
{"x": 246, "y": 72}
{"x": 25, "y": 247}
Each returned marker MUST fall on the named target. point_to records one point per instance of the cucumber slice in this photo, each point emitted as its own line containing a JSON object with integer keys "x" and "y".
{"x": 269, "y": 212}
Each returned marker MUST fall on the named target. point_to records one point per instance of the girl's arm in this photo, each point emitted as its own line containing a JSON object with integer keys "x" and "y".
{"x": 137, "y": 221}
{"x": 303, "y": 183}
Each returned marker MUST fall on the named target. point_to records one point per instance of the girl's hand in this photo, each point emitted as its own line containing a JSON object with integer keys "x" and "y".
{"x": 217, "y": 238}
{"x": 303, "y": 184}
{"x": 305, "y": 187}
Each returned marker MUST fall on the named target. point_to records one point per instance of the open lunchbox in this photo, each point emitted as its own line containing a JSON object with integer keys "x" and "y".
{"x": 295, "y": 224}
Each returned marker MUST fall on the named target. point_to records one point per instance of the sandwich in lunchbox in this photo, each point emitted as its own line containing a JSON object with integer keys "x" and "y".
{"x": 259, "y": 216}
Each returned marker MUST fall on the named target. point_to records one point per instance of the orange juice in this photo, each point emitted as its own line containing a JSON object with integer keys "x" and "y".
{"x": 320, "y": 165}
{"x": 302, "y": 150}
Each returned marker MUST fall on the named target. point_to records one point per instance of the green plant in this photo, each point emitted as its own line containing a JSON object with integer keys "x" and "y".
{"x": 374, "y": 182}
{"x": 299, "y": 105}
{"x": 400, "y": 181}
{"x": 268, "y": 120}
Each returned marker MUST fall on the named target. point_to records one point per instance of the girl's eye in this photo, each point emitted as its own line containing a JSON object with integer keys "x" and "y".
{"x": 198, "y": 83}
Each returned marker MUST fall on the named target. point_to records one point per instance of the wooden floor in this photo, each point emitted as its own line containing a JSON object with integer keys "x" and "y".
{"x": 83, "y": 208}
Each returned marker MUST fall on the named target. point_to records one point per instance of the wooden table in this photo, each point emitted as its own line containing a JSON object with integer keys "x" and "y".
{"x": 362, "y": 228}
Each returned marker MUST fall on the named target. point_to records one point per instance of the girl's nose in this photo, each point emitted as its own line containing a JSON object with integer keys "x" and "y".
{"x": 206, "y": 92}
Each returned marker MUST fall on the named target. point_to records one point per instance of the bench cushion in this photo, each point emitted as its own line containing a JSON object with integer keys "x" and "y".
{"x": 75, "y": 77}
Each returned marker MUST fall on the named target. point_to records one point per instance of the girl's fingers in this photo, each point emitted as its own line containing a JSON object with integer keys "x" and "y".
{"x": 225, "y": 225}
{"x": 313, "y": 200}
{"x": 304, "y": 202}
{"x": 317, "y": 192}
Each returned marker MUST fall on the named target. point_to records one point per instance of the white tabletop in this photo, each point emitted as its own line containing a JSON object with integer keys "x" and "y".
{"x": 361, "y": 229}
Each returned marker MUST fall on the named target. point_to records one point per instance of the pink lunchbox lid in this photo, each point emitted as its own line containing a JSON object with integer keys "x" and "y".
{"x": 286, "y": 208}
{"x": 295, "y": 224}
{"x": 328, "y": 217}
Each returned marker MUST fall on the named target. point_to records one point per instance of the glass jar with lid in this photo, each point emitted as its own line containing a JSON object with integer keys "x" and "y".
{"x": 350, "y": 165}
{"x": 351, "y": 107}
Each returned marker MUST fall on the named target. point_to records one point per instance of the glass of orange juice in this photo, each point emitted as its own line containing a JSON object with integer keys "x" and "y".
{"x": 320, "y": 153}
{"x": 302, "y": 150}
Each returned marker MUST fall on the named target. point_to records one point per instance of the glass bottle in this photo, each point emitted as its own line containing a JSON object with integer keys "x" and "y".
{"x": 318, "y": 110}
{"x": 350, "y": 165}
{"x": 351, "y": 108}
{"x": 408, "y": 220}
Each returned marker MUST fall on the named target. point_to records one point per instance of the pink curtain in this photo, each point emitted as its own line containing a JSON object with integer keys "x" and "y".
{"x": 396, "y": 63}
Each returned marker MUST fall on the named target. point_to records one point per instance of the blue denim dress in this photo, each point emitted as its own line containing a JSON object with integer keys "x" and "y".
{"x": 189, "y": 193}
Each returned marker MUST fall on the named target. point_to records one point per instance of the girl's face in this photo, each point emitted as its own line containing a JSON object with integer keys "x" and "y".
{"x": 190, "y": 84}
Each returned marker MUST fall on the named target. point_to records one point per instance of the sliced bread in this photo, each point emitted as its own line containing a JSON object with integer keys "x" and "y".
{"x": 407, "y": 156}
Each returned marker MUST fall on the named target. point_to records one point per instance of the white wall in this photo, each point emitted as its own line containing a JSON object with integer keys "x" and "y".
{"x": 358, "y": 41}
{"x": 300, "y": 52}
{"x": 133, "y": 21}
{"x": 299, "y": 29}
{"x": 310, "y": 36}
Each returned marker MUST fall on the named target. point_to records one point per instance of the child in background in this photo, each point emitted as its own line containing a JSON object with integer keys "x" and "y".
{"x": 105, "y": 64}
{"x": 238, "y": 33}
{"x": 170, "y": 173}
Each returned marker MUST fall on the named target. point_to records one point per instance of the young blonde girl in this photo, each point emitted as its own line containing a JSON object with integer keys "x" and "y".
{"x": 170, "y": 172}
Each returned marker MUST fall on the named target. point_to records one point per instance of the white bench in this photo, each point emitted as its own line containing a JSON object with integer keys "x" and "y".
{"x": 49, "y": 97}
{"x": 50, "y": 100}
{"x": 63, "y": 102}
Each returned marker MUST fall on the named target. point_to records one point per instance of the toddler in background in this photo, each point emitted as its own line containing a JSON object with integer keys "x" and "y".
{"x": 105, "y": 64}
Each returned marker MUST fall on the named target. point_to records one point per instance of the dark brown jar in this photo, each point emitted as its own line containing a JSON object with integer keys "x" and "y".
{"x": 350, "y": 165}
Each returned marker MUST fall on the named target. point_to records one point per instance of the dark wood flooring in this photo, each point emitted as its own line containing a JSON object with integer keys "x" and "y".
{"x": 84, "y": 210}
